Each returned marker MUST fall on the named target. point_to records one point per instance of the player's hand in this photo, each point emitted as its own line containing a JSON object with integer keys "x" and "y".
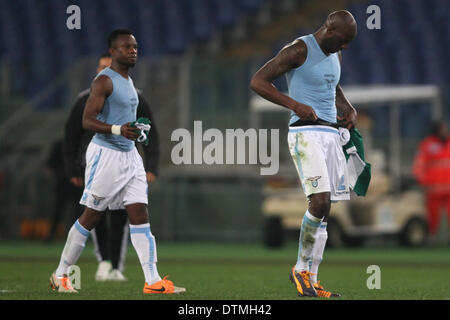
{"x": 77, "y": 181}
{"x": 349, "y": 121}
{"x": 129, "y": 132}
{"x": 305, "y": 112}
{"x": 150, "y": 177}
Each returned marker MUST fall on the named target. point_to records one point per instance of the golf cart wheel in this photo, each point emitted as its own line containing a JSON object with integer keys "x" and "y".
{"x": 414, "y": 233}
{"x": 273, "y": 232}
{"x": 354, "y": 242}
{"x": 335, "y": 234}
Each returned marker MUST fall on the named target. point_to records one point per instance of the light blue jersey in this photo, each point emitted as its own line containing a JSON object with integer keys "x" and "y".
{"x": 119, "y": 108}
{"x": 314, "y": 83}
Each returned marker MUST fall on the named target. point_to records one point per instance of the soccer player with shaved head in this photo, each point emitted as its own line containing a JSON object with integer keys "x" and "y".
{"x": 312, "y": 66}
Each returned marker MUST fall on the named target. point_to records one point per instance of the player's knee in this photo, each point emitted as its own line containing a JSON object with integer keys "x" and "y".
{"x": 320, "y": 206}
{"x": 137, "y": 214}
{"x": 90, "y": 218}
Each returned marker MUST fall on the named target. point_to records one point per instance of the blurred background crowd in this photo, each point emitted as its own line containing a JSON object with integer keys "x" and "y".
{"x": 196, "y": 58}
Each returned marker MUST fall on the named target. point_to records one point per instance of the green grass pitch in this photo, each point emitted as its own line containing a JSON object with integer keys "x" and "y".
{"x": 232, "y": 272}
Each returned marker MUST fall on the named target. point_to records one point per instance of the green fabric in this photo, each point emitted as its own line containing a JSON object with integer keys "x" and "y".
{"x": 140, "y": 123}
{"x": 356, "y": 140}
{"x": 362, "y": 184}
{"x": 140, "y": 120}
{"x": 363, "y": 181}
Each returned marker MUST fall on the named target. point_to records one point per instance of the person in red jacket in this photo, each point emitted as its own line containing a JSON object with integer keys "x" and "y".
{"x": 432, "y": 170}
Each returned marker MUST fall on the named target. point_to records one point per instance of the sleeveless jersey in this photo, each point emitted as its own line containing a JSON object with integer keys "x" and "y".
{"x": 314, "y": 83}
{"x": 119, "y": 108}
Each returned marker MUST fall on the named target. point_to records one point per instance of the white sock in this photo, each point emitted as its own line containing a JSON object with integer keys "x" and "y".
{"x": 76, "y": 240}
{"x": 145, "y": 246}
{"x": 319, "y": 247}
{"x": 307, "y": 238}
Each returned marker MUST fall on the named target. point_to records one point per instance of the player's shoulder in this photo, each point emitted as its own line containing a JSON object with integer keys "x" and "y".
{"x": 107, "y": 72}
{"x": 102, "y": 84}
{"x": 299, "y": 45}
{"x": 106, "y": 75}
{"x": 102, "y": 79}
{"x": 295, "y": 52}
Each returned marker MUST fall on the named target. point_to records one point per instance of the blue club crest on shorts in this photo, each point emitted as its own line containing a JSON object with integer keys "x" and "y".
{"x": 97, "y": 199}
{"x": 314, "y": 181}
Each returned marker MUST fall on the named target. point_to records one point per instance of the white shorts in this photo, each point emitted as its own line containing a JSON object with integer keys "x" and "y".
{"x": 113, "y": 179}
{"x": 320, "y": 161}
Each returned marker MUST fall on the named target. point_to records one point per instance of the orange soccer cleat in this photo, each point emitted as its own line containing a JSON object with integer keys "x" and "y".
{"x": 163, "y": 286}
{"x": 61, "y": 284}
{"x": 302, "y": 282}
{"x": 321, "y": 292}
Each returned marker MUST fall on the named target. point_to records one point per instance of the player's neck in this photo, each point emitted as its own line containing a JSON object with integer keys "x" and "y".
{"x": 319, "y": 35}
{"x": 120, "y": 69}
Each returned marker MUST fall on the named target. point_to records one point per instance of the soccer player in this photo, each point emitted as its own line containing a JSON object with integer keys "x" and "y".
{"x": 115, "y": 176}
{"x": 312, "y": 67}
{"x": 110, "y": 240}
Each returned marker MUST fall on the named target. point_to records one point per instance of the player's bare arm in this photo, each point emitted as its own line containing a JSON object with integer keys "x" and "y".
{"x": 346, "y": 112}
{"x": 101, "y": 88}
{"x": 290, "y": 57}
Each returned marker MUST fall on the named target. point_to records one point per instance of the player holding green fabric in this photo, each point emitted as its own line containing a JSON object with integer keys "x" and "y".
{"x": 312, "y": 67}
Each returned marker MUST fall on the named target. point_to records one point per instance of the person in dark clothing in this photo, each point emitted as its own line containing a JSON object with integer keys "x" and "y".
{"x": 64, "y": 191}
{"x": 111, "y": 234}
